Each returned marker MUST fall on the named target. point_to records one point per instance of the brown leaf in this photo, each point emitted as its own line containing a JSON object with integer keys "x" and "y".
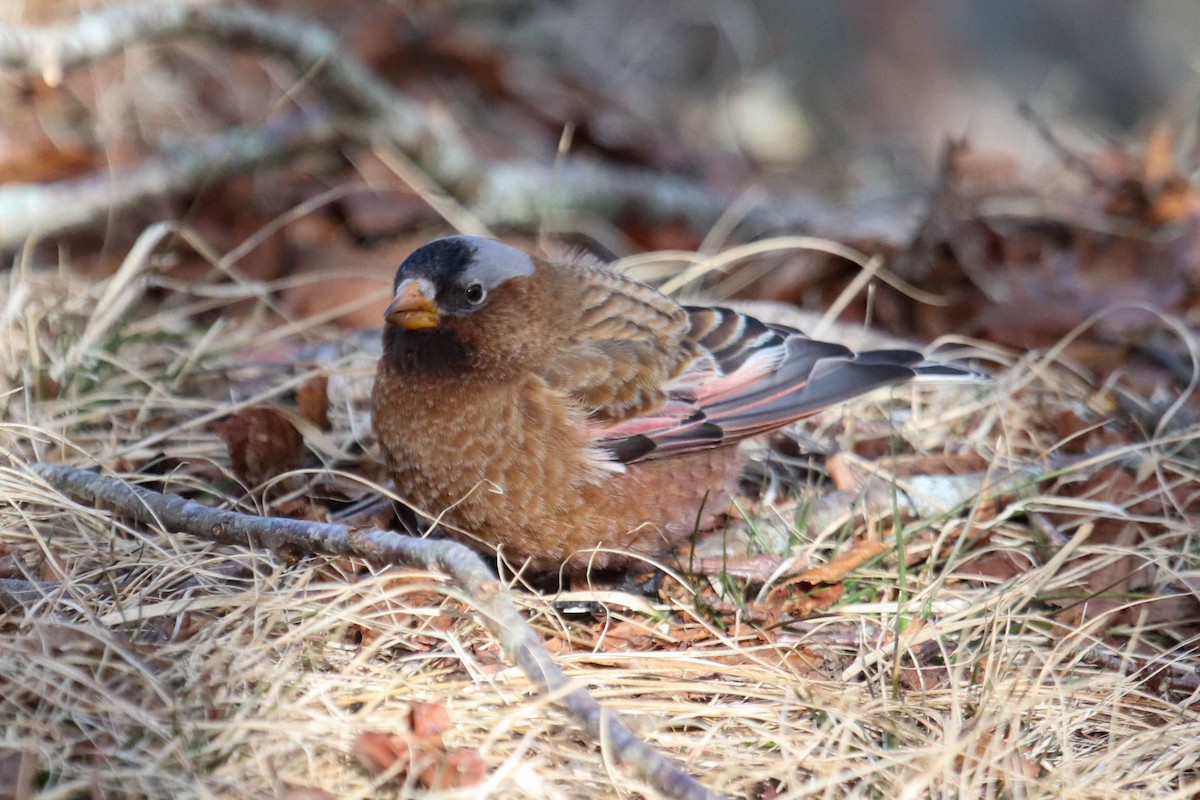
{"x": 1076, "y": 434}
{"x": 672, "y": 235}
{"x": 920, "y": 669}
{"x": 843, "y": 475}
{"x": 428, "y": 720}
{"x": 11, "y": 565}
{"x": 301, "y": 508}
{"x": 818, "y": 587}
{"x": 837, "y": 569}
{"x": 379, "y": 752}
{"x": 557, "y": 645}
{"x": 628, "y": 636}
{"x": 757, "y": 568}
{"x": 44, "y": 160}
{"x": 848, "y": 473}
{"x": 805, "y": 603}
{"x": 1158, "y": 163}
{"x": 997, "y": 565}
{"x": 937, "y": 464}
{"x": 313, "y": 401}
{"x": 262, "y": 443}
{"x": 1151, "y": 189}
{"x": 421, "y": 751}
{"x": 458, "y": 769}
{"x": 979, "y": 171}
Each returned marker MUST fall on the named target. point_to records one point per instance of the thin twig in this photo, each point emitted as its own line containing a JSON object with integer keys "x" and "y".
{"x": 1176, "y": 676}
{"x": 496, "y": 611}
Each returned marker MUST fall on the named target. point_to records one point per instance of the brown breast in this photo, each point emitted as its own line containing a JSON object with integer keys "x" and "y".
{"x": 508, "y": 464}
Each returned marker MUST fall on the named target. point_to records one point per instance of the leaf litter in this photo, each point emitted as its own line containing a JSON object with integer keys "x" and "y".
{"x": 960, "y": 600}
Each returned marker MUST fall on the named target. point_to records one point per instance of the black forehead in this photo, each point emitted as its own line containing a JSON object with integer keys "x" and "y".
{"x": 447, "y": 261}
{"x": 442, "y": 261}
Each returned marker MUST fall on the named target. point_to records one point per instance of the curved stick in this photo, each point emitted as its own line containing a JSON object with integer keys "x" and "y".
{"x": 496, "y": 611}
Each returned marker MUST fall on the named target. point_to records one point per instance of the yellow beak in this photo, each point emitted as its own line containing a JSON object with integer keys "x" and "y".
{"x": 413, "y": 307}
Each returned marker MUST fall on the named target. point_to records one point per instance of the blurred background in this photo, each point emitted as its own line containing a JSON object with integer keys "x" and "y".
{"x": 841, "y": 95}
{"x": 854, "y": 92}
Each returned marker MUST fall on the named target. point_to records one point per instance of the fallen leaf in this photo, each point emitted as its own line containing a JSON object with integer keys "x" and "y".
{"x": 460, "y": 768}
{"x": 923, "y": 668}
{"x": 844, "y": 476}
{"x": 428, "y": 720}
{"x": 628, "y": 636}
{"x": 262, "y": 443}
{"x": 805, "y": 603}
{"x": 420, "y": 751}
{"x": 841, "y": 566}
{"x": 312, "y": 398}
{"x": 379, "y": 752}
{"x": 44, "y": 160}
{"x": 1158, "y": 160}
{"x": 995, "y": 565}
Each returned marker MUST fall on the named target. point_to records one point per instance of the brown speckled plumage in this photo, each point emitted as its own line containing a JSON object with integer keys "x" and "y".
{"x": 552, "y": 409}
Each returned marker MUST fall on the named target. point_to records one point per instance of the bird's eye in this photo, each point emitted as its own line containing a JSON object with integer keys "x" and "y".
{"x": 475, "y": 294}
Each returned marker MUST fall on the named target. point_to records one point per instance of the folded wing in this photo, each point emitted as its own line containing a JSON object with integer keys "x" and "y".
{"x": 748, "y": 378}
{"x": 626, "y": 346}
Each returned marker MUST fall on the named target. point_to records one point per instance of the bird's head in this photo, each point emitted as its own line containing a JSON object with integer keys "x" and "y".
{"x": 464, "y": 301}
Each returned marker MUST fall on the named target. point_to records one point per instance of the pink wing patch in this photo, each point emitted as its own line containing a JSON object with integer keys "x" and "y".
{"x": 750, "y": 378}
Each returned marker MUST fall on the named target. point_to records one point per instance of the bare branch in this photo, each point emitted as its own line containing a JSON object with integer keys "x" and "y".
{"x": 496, "y": 611}
{"x": 47, "y": 209}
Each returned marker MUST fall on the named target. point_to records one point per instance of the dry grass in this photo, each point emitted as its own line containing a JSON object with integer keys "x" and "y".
{"x": 160, "y": 666}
